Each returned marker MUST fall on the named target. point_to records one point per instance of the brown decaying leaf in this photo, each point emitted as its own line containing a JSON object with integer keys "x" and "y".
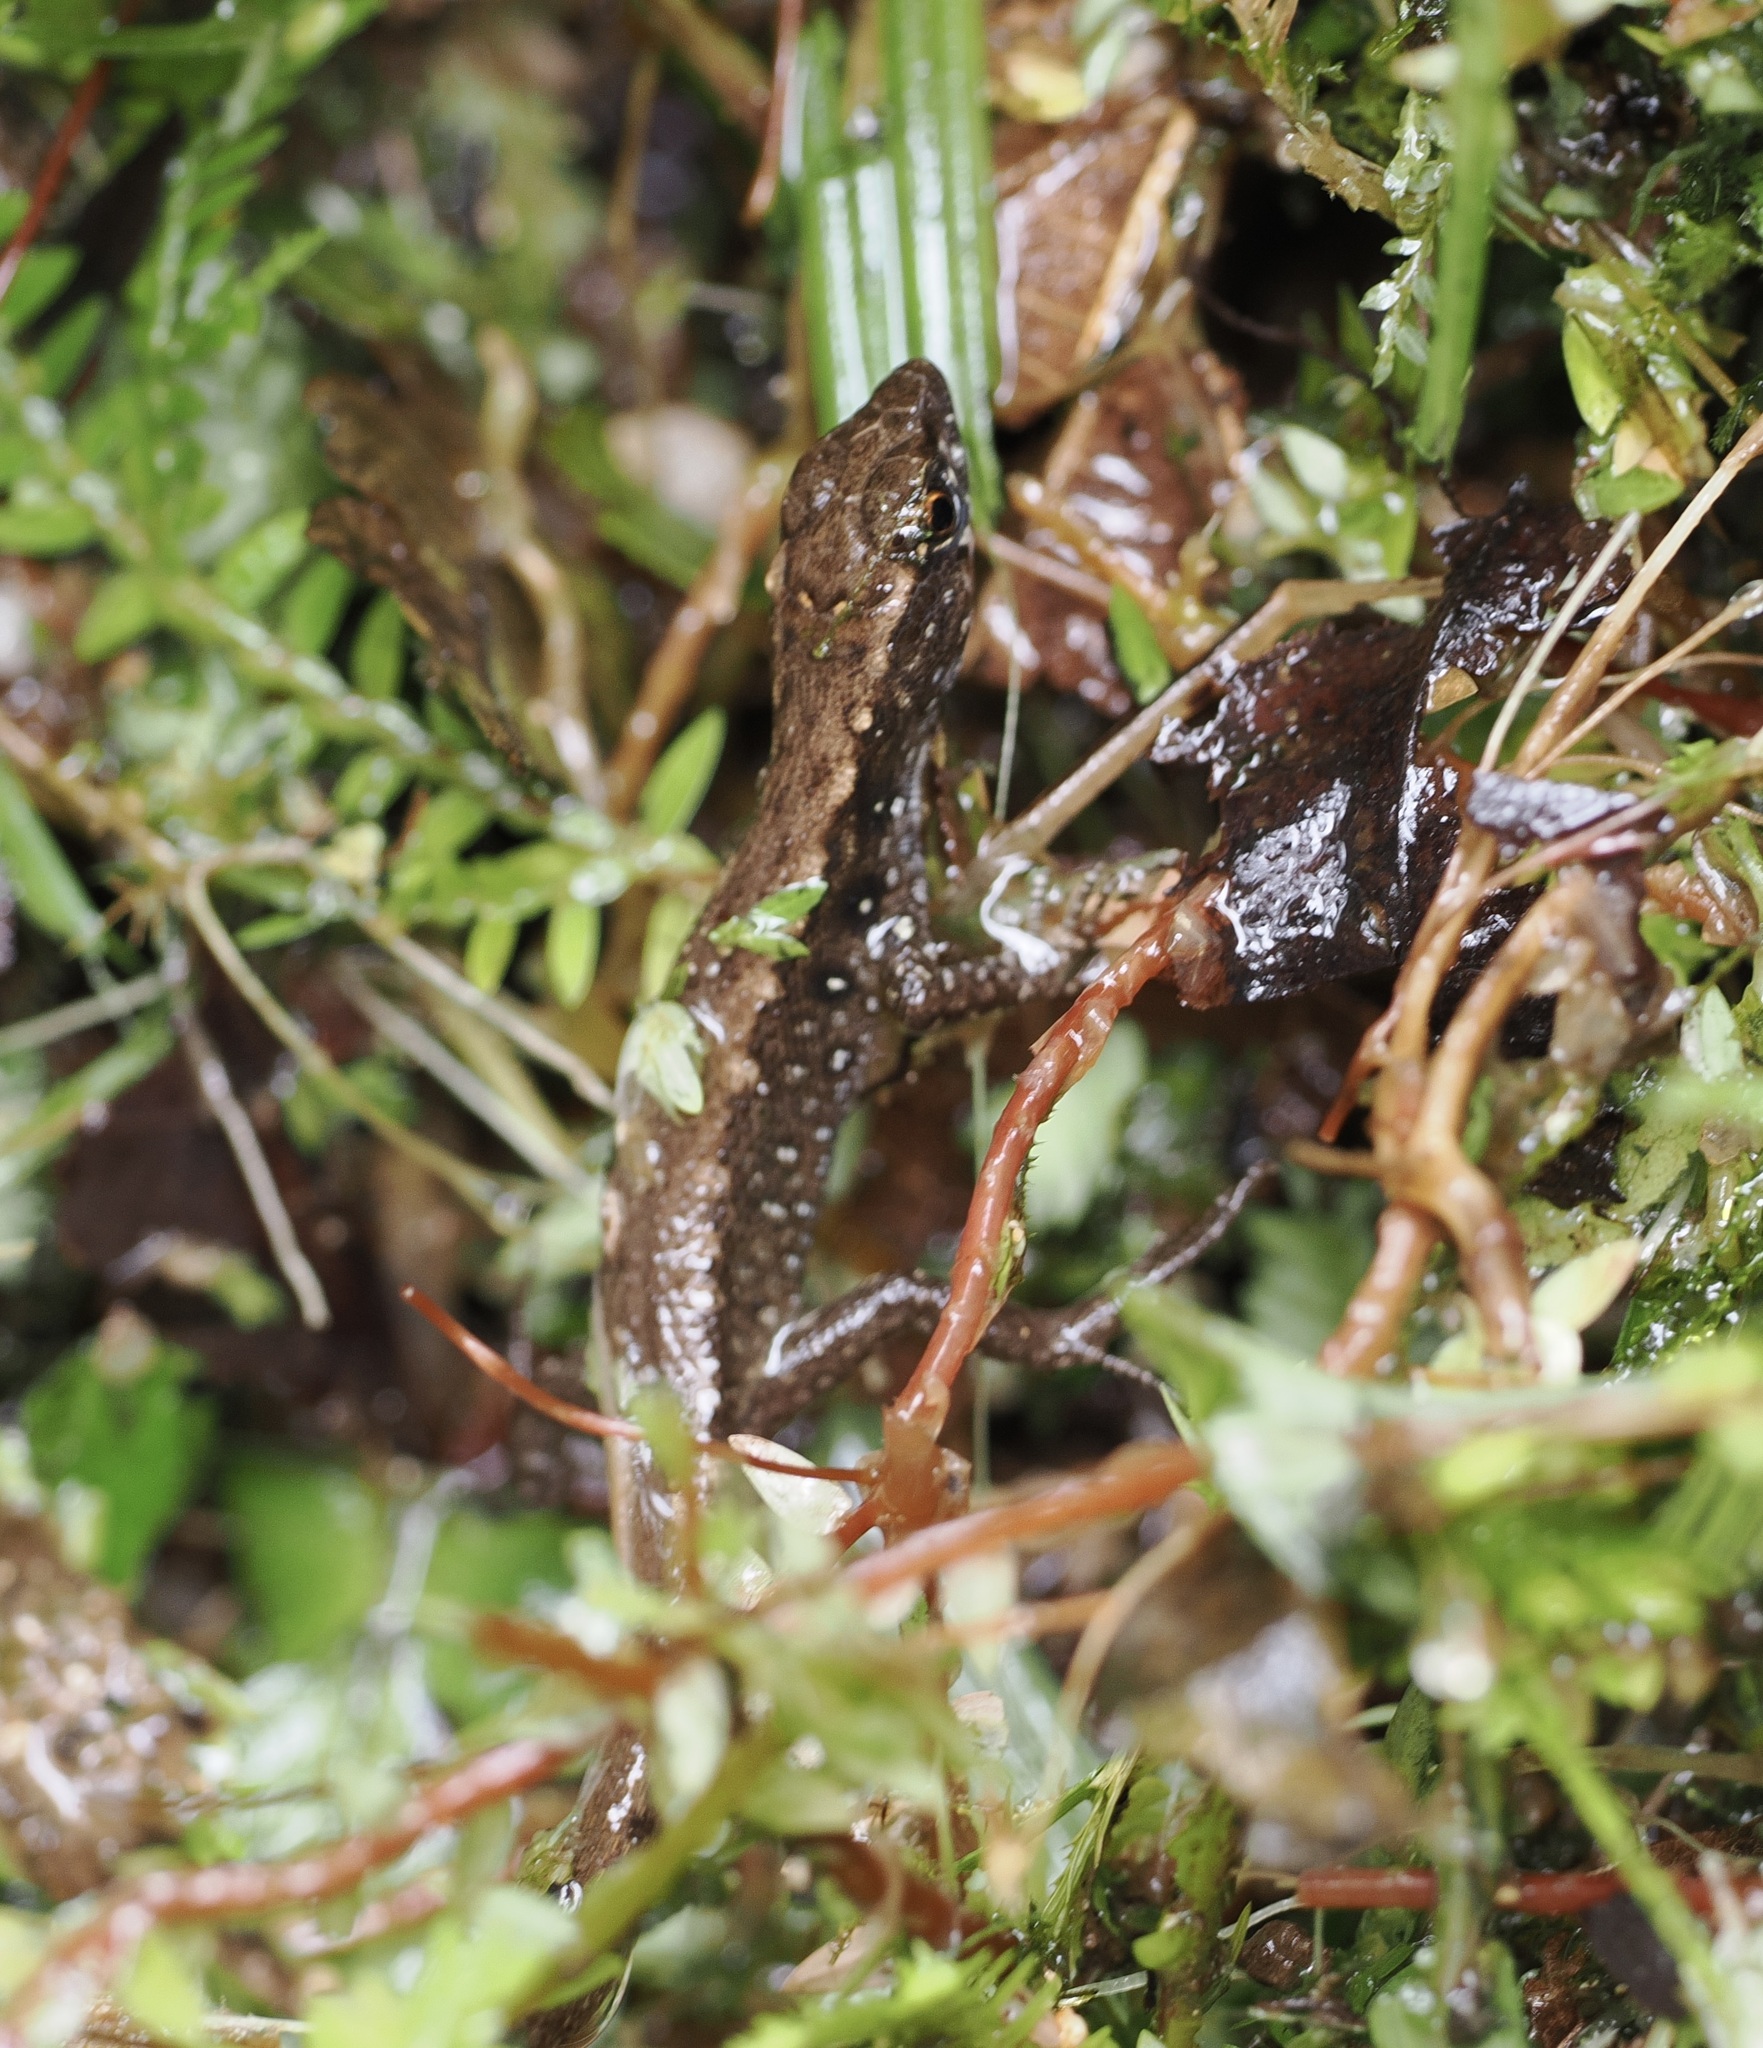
{"x": 1140, "y": 466}
{"x": 93, "y": 1749}
{"x": 1080, "y": 210}
{"x": 429, "y": 526}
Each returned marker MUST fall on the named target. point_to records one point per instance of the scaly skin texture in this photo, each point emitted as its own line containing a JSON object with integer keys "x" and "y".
{"x": 709, "y": 1218}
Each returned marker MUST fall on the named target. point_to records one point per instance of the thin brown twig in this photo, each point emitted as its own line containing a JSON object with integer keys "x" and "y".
{"x": 633, "y": 147}
{"x": 216, "y": 1087}
{"x": 710, "y": 604}
{"x": 506, "y": 419}
{"x": 1118, "y": 1604}
{"x": 736, "y": 78}
{"x": 56, "y": 159}
{"x": 481, "y": 1191}
{"x": 1569, "y": 703}
{"x": 1047, "y": 568}
{"x": 491, "y": 1363}
{"x": 1396, "y": 1046}
{"x": 1428, "y": 1176}
{"x": 77, "y": 1966}
{"x": 1433, "y": 1171}
{"x": 1631, "y": 686}
{"x": 763, "y": 191}
{"x": 512, "y": 1639}
{"x": 409, "y": 1906}
{"x": 589, "y": 1421}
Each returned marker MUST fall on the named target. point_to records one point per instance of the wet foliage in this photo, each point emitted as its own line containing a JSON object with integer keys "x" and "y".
{"x": 396, "y": 402}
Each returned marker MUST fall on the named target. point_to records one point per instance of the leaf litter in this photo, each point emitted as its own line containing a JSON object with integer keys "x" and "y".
{"x": 1388, "y": 1674}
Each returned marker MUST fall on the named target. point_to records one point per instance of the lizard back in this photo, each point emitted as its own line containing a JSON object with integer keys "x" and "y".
{"x": 709, "y": 1218}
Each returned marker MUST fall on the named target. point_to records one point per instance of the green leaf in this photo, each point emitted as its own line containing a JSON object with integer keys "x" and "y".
{"x": 371, "y": 784}
{"x": 45, "y": 526}
{"x": 662, "y": 1052}
{"x": 771, "y": 926}
{"x": 116, "y": 1415}
{"x": 1481, "y": 124}
{"x": 39, "y": 280}
{"x": 1142, "y": 661}
{"x": 376, "y": 658}
{"x": 449, "y": 822}
{"x": 631, "y": 519}
{"x": 1304, "y": 1263}
{"x": 282, "y": 928}
{"x": 311, "y": 1115}
{"x": 50, "y": 894}
{"x": 123, "y": 609}
{"x": 670, "y": 925}
{"x": 313, "y": 609}
{"x": 474, "y": 1968}
{"x": 258, "y": 563}
{"x": 1596, "y": 393}
{"x": 486, "y": 1563}
{"x": 939, "y": 137}
{"x": 572, "y": 951}
{"x": 67, "y": 345}
{"x": 1636, "y": 490}
{"x": 489, "y": 951}
{"x": 1318, "y": 463}
{"x": 682, "y": 777}
{"x": 163, "y": 1991}
{"x": 282, "y": 1508}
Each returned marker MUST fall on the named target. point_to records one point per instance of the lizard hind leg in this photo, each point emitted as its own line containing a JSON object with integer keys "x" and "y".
{"x": 823, "y": 1349}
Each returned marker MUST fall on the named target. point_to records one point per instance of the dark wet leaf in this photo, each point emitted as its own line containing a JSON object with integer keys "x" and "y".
{"x": 1334, "y": 819}
{"x": 1519, "y": 811}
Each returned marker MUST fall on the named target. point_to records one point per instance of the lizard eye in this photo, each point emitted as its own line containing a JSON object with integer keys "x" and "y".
{"x": 940, "y": 514}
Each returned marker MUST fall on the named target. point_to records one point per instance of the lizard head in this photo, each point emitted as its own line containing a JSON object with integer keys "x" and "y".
{"x": 877, "y": 554}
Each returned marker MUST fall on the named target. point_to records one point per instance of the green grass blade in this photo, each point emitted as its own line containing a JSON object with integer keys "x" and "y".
{"x": 832, "y": 286}
{"x": 1479, "y": 123}
{"x": 940, "y": 141}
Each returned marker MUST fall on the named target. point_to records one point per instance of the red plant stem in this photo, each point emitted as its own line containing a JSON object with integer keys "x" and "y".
{"x": 763, "y": 190}
{"x": 588, "y": 1421}
{"x": 1135, "y": 1478}
{"x": 570, "y": 1414}
{"x": 79, "y": 1966}
{"x": 1066, "y": 1053}
{"x": 1546, "y": 1893}
{"x": 54, "y": 168}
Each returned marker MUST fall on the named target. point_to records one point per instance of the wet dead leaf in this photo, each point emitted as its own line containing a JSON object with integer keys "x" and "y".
{"x": 1081, "y": 207}
{"x": 1140, "y": 467}
{"x": 1334, "y": 820}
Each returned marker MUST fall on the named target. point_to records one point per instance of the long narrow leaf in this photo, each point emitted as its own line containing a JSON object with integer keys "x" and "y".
{"x": 1479, "y": 122}
{"x": 939, "y": 137}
